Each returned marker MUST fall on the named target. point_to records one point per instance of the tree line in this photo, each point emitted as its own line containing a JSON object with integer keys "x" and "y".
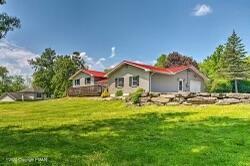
{"x": 51, "y": 72}
{"x": 10, "y": 83}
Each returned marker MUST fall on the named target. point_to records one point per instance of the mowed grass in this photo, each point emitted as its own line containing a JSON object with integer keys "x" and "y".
{"x": 78, "y": 131}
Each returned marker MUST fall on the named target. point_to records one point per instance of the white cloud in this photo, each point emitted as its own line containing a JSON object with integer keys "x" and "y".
{"x": 15, "y": 58}
{"x": 153, "y": 62}
{"x": 113, "y": 53}
{"x": 100, "y": 61}
{"x": 92, "y": 63}
{"x": 202, "y": 10}
{"x": 85, "y": 56}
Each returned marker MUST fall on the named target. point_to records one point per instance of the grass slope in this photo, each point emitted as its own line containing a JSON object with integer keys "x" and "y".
{"x": 80, "y": 131}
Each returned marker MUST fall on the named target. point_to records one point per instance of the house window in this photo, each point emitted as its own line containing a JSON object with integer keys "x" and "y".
{"x": 119, "y": 82}
{"x": 39, "y": 95}
{"x": 77, "y": 82}
{"x": 180, "y": 85}
{"x": 134, "y": 81}
{"x": 87, "y": 80}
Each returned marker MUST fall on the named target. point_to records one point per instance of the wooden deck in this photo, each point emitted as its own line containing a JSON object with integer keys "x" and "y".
{"x": 93, "y": 90}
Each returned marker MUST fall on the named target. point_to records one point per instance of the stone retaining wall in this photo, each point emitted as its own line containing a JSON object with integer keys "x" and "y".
{"x": 193, "y": 98}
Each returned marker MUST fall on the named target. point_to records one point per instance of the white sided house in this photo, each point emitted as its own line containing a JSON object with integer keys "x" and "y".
{"x": 84, "y": 78}
{"x": 128, "y": 76}
{"x": 87, "y": 83}
{"x": 28, "y": 94}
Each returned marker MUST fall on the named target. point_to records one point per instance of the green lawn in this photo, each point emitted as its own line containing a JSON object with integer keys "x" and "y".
{"x": 77, "y": 131}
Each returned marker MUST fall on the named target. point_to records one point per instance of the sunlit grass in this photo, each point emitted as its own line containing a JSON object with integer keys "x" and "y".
{"x": 77, "y": 131}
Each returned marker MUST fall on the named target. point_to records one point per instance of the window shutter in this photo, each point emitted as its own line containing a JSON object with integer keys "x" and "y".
{"x": 130, "y": 81}
{"x": 122, "y": 82}
{"x": 116, "y": 82}
{"x": 138, "y": 78}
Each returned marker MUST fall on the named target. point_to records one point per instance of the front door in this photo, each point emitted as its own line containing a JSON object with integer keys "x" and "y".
{"x": 180, "y": 85}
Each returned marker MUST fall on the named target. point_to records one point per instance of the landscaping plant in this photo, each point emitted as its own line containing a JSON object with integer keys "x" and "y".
{"x": 119, "y": 93}
{"x": 105, "y": 93}
{"x": 135, "y": 96}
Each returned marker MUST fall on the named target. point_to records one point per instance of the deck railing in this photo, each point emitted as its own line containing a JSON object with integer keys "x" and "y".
{"x": 92, "y": 90}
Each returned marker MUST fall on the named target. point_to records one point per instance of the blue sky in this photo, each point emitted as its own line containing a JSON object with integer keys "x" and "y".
{"x": 138, "y": 29}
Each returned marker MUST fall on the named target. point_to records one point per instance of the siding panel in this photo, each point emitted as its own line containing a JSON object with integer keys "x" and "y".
{"x": 169, "y": 83}
{"x": 126, "y": 71}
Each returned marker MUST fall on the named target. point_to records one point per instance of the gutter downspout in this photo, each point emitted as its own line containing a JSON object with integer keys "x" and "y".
{"x": 150, "y": 80}
{"x": 188, "y": 83}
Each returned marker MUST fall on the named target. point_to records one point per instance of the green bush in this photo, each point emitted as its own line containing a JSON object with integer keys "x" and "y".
{"x": 135, "y": 96}
{"x": 118, "y": 93}
{"x": 105, "y": 93}
{"x": 243, "y": 86}
{"x": 221, "y": 86}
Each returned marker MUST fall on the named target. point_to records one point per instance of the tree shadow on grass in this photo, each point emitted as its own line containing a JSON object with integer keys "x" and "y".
{"x": 151, "y": 138}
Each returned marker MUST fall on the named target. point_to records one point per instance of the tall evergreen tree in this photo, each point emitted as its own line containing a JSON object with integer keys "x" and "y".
{"x": 234, "y": 66}
{"x": 248, "y": 60}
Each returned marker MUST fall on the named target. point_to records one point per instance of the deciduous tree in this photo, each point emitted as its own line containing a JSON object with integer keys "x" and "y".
{"x": 161, "y": 61}
{"x": 211, "y": 65}
{"x": 7, "y": 23}
{"x": 175, "y": 59}
{"x": 64, "y": 67}
{"x": 17, "y": 83}
{"x": 44, "y": 70}
{"x": 10, "y": 83}
{"x": 79, "y": 61}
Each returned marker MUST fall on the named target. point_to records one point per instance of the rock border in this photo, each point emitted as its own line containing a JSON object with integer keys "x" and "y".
{"x": 188, "y": 98}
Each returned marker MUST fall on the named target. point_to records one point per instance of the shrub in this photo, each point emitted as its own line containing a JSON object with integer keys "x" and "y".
{"x": 243, "y": 86}
{"x": 221, "y": 86}
{"x": 118, "y": 93}
{"x": 105, "y": 93}
{"x": 135, "y": 96}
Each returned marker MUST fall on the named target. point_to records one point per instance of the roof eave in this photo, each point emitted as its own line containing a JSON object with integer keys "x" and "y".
{"x": 8, "y": 94}
{"x": 114, "y": 69}
{"x": 147, "y": 70}
{"x": 198, "y": 72}
{"x": 73, "y": 76}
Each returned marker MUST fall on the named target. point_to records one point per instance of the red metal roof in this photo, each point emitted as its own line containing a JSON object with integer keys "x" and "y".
{"x": 103, "y": 81}
{"x": 94, "y": 73}
{"x": 177, "y": 69}
{"x": 171, "y": 70}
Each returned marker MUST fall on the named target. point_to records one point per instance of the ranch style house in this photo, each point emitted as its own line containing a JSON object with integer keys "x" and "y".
{"x": 128, "y": 76}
